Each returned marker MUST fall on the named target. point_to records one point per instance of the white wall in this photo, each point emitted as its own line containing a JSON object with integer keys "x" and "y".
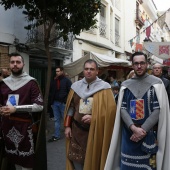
{"x": 12, "y": 25}
{"x": 79, "y": 46}
{"x": 129, "y": 8}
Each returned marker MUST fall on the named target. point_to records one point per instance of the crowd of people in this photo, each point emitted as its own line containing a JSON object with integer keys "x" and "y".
{"x": 108, "y": 125}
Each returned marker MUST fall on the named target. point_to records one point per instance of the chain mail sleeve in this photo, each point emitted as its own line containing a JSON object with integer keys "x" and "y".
{"x": 151, "y": 120}
{"x": 29, "y": 108}
{"x": 126, "y": 117}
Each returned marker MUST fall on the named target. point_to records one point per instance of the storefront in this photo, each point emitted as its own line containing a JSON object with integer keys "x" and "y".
{"x": 119, "y": 68}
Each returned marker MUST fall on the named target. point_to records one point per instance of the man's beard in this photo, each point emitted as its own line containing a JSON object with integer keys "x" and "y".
{"x": 17, "y": 73}
{"x": 140, "y": 75}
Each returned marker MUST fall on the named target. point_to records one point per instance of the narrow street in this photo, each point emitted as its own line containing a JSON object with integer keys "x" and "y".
{"x": 55, "y": 150}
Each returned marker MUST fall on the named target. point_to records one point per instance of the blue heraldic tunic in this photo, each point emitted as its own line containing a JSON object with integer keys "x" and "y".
{"x": 132, "y": 156}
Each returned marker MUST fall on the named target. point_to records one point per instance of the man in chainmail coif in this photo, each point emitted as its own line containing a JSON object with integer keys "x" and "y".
{"x": 141, "y": 135}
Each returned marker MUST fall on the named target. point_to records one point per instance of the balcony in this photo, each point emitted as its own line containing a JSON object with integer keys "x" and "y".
{"x": 139, "y": 21}
{"x": 102, "y": 27}
{"x": 117, "y": 39}
{"x": 91, "y": 31}
{"x": 111, "y": 35}
{"x": 36, "y": 36}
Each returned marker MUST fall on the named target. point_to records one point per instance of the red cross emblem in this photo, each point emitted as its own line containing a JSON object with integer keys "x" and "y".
{"x": 164, "y": 49}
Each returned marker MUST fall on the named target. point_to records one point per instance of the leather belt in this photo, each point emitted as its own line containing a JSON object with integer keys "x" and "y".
{"x": 20, "y": 119}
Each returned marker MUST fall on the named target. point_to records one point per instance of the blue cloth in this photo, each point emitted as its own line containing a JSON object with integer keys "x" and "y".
{"x": 132, "y": 157}
{"x": 12, "y": 100}
{"x": 58, "y": 110}
{"x": 114, "y": 83}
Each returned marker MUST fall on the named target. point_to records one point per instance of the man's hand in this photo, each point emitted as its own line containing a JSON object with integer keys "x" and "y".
{"x": 86, "y": 119}
{"x": 68, "y": 132}
{"x": 138, "y": 133}
{"x": 7, "y": 110}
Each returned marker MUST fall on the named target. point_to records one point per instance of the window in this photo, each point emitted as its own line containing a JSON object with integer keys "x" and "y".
{"x": 111, "y": 25}
{"x": 103, "y": 11}
{"x": 103, "y": 26}
{"x": 117, "y": 32}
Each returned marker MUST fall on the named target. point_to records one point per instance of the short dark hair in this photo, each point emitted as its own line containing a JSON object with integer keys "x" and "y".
{"x": 139, "y": 53}
{"x": 114, "y": 77}
{"x": 15, "y": 55}
{"x": 91, "y": 61}
{"x": 116, "y": 88}
{"x": 60, "y": 67}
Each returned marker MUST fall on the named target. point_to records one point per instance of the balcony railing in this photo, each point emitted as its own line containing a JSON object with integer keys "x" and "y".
{"x": 117, "y": 39}
{"x": 36, "y": 35}
{"x": 139, "y": 21}
{"x": 91, "y": 31}
{"x": 102, "y": 27}
{"x": 111, "y": 35}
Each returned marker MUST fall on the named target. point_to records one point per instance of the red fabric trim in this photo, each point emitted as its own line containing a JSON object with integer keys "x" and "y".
{"x": 67, "y": 121}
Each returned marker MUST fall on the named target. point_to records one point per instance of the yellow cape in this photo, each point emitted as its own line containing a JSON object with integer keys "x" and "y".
{"x": 103, "y": 117}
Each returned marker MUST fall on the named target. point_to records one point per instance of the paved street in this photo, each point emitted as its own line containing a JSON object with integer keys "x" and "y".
{"x": 55, "y": 150}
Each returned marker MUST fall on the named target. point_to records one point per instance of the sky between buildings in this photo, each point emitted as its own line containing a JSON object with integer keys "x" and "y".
{"x": 162, "y": 5}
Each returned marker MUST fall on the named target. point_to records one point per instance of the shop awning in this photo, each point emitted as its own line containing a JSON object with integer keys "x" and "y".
{"x": 76, "y": 67}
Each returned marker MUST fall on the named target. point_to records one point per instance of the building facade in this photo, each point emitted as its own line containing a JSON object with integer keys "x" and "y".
{"x": 12, "y": 33}
{"x": 121, "y": 29}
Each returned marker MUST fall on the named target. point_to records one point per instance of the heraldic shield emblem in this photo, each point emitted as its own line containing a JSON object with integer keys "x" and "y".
{"x": 137, "y": 109}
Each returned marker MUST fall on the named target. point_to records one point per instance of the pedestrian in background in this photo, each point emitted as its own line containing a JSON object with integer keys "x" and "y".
{"x": 115, "y": 90}
{"x": 113, "y": 81}
{"x": 21, "y": 120}
{"x": 89, "y": 119}
{"x": 59, "y": 90}
{"x": 80, "y": 77}
{"x": 4, "y": 73}
{"x": 131, "y": 74}
{"x": 141, "y": 136}
{"x": 157, "y": 71}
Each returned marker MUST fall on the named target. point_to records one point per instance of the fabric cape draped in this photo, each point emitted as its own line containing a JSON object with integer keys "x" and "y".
{"x": 103, "y": 116}
{"x": 40, "y": 150}
{"x": 163, "y": 136}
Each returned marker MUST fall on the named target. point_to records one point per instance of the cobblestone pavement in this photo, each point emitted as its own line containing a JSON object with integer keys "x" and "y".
{"x": 55, "y": 150}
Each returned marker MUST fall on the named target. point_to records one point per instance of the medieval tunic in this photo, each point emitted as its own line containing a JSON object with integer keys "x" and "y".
{"x": 163, "y": 130}
{"x": 18, "y": 133}
{"x": 132, "y": 156}
{"x": 80, "y": 132}
{"x": 91, "y": 143}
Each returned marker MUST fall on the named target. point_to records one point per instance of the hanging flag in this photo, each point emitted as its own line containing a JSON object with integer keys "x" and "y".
{"x": 167, "y": 19}
{"x": 167, "y": 63}
{"x": 148, "y": 31}
{"x": 164, "y": 49}
{"x": 159, "y": 49}
{"x": 139, "y": 47}
{"x": 131, "y": 42}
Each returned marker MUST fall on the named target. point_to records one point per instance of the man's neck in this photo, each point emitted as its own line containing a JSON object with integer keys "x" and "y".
{"x": 90, "y": 81}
